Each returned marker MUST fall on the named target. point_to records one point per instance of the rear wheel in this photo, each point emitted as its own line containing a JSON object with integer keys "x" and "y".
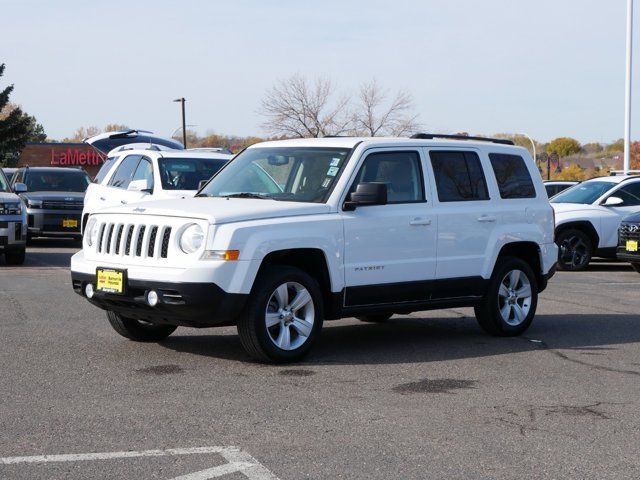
{"x": 15, "y": 257}
{"x": 138, "y": 330}
{"x": 574, "y": 250}
{"x": 636, "y": 267}
{"x": 378, "y": 318}
{"x": 509, "y": 305}
{"x": 284, "y": 318}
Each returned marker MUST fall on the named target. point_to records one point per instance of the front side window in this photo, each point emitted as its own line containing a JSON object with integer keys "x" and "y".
{"x": 630, "y": 194}
{"x": 57, "y": 181}
{"x": 399, "y": 170}
{"x": 4, "y": 184}
{"x": 512, "y": 176}
{"x": 122, "y": 176}
{"x": 187, "y": 173}
{"x": 295, "y": 174}
{"x": 105, "y": 168}
{"x": 459, "y": 176}
{"x": 144, "y": 171}
{"x": 584, "y": 193}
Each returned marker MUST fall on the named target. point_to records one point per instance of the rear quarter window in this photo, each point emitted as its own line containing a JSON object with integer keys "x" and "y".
{"x": 512, "y": 175}
{"x": 459, "y": 176}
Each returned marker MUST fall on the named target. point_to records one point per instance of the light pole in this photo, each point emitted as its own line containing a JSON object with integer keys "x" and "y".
{"x": 180, "y": 128}
{"x": 533, "y": 145}
{"x": 184, "y": 124}
{"x": 627, "y": 97}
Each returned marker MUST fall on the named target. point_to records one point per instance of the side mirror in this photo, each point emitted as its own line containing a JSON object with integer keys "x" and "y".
{"x": 367, "y": 194}
{"x": 202, "y": 183}
{"x": 19, "y": 188}
{"x": 139, "y": 186}
{"x": 613, "y": 202}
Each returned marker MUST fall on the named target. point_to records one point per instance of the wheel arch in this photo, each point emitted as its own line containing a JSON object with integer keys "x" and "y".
{"x": 530, "y": 253}
{"x": 584, "y": 226}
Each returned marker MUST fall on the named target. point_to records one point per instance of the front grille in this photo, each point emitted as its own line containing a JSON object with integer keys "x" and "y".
{"x": 3, "y": 241}
{"x": 62, "y": 205}
{"x": 18, "y": 231}
{"x": 625, "y": 233}
{"x": 133, "y": 240}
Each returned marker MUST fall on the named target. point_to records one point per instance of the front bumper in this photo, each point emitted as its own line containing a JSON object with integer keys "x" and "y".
{"x": 50, "y": 222}
{"x": 184, "y": 304}
{"x": 625, "y": 256}
{"x": 13, "y": 234}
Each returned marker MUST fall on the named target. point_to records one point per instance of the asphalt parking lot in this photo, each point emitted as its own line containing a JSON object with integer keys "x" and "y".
{"x": 424, "y": 396}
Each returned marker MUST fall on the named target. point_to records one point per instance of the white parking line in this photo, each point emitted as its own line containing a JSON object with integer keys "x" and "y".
{"x": 237, "y": 461}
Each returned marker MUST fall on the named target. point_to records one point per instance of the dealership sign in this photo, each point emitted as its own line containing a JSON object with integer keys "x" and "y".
{"x": 75, "y": 157}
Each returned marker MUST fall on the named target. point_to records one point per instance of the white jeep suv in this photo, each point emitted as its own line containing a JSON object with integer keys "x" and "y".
{"x": 292, "y": 233}
{"x": 137, "y": 175}
{"x": 588, "y": 216}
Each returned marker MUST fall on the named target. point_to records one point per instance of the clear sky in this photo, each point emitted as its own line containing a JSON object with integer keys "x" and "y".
{"x": 544, "y": 67}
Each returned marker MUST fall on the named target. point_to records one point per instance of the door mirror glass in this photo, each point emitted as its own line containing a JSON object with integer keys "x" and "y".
{"x": 613, "y": 202}
{"x": 366, "y": 194}
{"x": 139, "y": 186}
{"x": 19, "y": 188}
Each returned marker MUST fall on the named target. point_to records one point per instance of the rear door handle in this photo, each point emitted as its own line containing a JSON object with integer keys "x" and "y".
{"x": 420, "y": 221}
{"x": 102, "y": 198}
{"x": 486, "y": 218}
{"x": 124, "y": 202}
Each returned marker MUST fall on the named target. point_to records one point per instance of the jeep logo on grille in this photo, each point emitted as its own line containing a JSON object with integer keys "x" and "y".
{"x": 138, "y": 209}
{"x": 634, "y": 228}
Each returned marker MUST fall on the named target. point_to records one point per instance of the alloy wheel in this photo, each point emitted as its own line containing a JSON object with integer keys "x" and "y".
{"x": 574, "y": 251}
{"x": 290, "y": 316}
{"x": 514, "y": 297}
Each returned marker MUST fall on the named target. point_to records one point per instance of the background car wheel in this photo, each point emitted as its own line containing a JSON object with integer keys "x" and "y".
{"x": 636, "y": 267}
{"x": 509, "y": 305}
{"x": 574, "y": 250}
{"x": 379, "y": 318}
{"x": 138, "y": 330}
{"x": 283, "y": 319}
{"x": 15, "y": 258}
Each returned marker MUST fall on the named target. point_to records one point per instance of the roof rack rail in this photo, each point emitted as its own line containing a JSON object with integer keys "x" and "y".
{"x": 431, "y": 136}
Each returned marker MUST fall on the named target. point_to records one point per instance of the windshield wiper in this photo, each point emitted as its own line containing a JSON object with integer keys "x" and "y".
{"x": 246, "y": 195}
{"x": 202, "y": 195}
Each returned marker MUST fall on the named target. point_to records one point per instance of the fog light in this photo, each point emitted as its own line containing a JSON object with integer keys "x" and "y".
{"x": 88, "y": 290}
{"x": 152, "y": 298}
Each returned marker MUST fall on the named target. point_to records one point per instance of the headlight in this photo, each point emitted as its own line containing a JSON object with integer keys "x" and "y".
{"x": 10, "y": 208}
{"x": 34, "y": 203}
{"x": 90, "y": 231}
{"x": 191, "y": 238}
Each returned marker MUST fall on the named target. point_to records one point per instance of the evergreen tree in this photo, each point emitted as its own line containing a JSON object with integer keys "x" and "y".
{"x": 16, "y": 128}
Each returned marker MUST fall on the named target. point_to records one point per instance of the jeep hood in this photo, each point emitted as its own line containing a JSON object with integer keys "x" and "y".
{"x": 221, "y": 210}
{"x": 561, "y": 208}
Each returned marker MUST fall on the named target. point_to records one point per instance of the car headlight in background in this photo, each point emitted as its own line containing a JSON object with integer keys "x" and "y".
{"x": 10, "y": 208}
{"x": 91, "y": 231}
{"x": 191, "y": 238}
{"x": 34, "y": 203}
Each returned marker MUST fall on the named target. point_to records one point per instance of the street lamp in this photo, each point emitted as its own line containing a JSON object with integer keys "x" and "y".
{"x": 533, "y": 145}
{"x": 184, "y": 124}
{"x": 180, "y": 128}
{"x": 627, "y": 96}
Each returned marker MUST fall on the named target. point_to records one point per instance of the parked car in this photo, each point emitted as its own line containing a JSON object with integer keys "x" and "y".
{"x": 553, "y": 187}
{"x": 8, "y": 172}
{"x": 629, "y": 240}
{"x": 13, "y": 224}
{"x": 294, "y": 232}
{"x": 139, "y": 175}
{"x": 107, "y": 141}
{"x": 54, "y": 197}
{"x": 588, "y": 216}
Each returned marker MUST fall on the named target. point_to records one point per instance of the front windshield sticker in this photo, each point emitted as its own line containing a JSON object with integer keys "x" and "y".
{"x": 335, "y": 162}
{"x": 327, "y": 182}
{"x": 332, "y": 172}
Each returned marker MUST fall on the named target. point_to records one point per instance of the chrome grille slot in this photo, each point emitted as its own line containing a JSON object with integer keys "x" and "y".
{"x": 139, "y": 240}
{"x": 127, "y": 249}
{"x": 152, "y": 241}
{"x": 100, "y": 237}
{"x": 109, "y": 237}
{"x": 165, "y": 242}
{"x": 119, "y": 239}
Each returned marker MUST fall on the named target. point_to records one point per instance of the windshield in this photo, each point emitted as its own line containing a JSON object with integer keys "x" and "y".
{"x": 187, "y": 173}
{"x": 292, "y": 173}
{"x": 51, "y": 181}
{"x": 4, "y": 184}
{"x": 587, "y": 192}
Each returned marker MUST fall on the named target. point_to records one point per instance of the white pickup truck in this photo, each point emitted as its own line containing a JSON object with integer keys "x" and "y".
{"x": 292, "y": 233}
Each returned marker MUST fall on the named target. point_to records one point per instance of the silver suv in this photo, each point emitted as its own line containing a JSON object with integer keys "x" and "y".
{"x": 13, "y": 224}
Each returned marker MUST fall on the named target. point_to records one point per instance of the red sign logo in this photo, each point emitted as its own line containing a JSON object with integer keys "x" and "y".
{"x": 76, "y": 157}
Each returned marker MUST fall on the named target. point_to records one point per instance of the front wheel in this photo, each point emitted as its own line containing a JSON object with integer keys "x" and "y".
{"x": 137, "y": 330}
{"x": 636, "y": 267}
{"x": 574, "y": 250}
{"x": 510, "y": 302}
{"x": 284, "y": 317}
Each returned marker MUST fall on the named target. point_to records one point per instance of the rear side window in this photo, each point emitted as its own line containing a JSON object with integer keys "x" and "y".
{"x": 123, "y": 174}
{"x": 459, "y": 176}
{"x": 512, "y": 176}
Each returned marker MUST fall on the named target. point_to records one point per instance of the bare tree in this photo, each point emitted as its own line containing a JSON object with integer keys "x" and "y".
{"x": 374, "y": 115}
{"x": 297, "y": 107}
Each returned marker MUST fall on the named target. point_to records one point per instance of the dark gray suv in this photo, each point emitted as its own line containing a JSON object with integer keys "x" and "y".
{"x": 54, "y": 198}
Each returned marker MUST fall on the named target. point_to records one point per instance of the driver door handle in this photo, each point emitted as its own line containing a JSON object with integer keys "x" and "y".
{"x": 124, "y": 202}
{"x": 486, "y": 218}
{"x": 420, "y": 221}
{"x": 102, "y": 198}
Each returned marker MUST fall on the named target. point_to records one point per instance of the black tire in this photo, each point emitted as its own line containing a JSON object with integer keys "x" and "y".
{"x": 139, "y": 331}
{"x": 574, "y": 250}
{"x": 488, "y": 311}
{"x": 15, "y": 257}
{"x": 256, "y": 337}
{"x": 376, "y": 318}
{"x": 636, "y": 267}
